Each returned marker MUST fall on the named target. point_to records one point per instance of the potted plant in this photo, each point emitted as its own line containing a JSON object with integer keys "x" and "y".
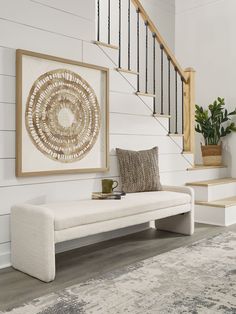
{"x": 213, "y": 123}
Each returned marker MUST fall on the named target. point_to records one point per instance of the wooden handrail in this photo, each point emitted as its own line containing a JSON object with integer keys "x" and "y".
{"x": 160, "y": 39}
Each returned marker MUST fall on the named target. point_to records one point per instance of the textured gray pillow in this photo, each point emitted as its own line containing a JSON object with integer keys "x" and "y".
{"x": 139, "y": 170}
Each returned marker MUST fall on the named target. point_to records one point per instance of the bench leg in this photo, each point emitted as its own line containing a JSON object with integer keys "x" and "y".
{"x": 183, "y": 224}
{"x": 32, "y": 246}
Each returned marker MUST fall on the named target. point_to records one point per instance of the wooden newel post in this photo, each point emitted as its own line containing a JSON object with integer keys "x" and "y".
{"x": 189, "y": 111}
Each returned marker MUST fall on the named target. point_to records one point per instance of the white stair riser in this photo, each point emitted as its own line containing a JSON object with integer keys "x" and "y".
{"x": 214, "y": 192}
{"x": 201, "y": 193}
{"x": 218, "y": 216}
{"x": 206, "y": 174}
{"x": 181, "y": 177}
{"x": 221, "y": 191}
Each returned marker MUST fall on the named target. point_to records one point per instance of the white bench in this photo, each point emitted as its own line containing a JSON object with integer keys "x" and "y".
{"x": 35, "y": 229}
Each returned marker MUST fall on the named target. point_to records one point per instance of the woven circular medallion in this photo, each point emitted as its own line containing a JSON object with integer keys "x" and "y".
{"x": 62, "y": 115}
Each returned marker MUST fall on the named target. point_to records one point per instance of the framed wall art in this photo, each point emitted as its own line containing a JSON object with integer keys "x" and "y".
{"x": 61, "y": 116}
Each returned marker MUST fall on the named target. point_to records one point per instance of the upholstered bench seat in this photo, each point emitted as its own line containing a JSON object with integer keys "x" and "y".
{"x": 35, "y": 229}
{"x": 73, "y": 214}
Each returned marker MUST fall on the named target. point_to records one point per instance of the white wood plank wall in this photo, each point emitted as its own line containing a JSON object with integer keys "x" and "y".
{"x": 66, "y": 29}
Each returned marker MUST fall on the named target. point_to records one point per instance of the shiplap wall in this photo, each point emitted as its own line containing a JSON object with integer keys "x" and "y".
{"x": 66, "y": 29}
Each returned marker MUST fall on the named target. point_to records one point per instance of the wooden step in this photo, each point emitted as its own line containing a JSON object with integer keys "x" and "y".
{"x": 127, "y": 71}
{"x": 159, "y": 115}
{"x": 212, "y": 182}
{"x": 176, "y": 135}
{"x": 220, "y": 213}
{"x": 145, "y": 94}
{"x": 222, "y": 203}
{"x": 208, "y": 191}
{"x": 101, "y": 43}
{"x": 202, "y": 167}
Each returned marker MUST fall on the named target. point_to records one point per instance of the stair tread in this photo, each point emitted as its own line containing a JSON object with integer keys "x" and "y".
{"x": 145, "y": 94}
{"x": 225, "y": 202}
{"x": 127, "y": 71}
{"x": 176, "y": 135}
{"x": 212, "y": 182}
{"x": 159, "y": 115}
{"x": 101, "y": 43}
{"x": 202, "y": 167}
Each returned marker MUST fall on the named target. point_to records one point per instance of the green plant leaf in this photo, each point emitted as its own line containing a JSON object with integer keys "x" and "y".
{"x": 212, "y": 122}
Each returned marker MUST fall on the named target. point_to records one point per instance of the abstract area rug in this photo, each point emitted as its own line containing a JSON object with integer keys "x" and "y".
{"x": 199, "y": 278}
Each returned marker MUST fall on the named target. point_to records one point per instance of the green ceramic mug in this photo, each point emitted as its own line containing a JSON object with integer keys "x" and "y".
{"x": 108, "y": 185}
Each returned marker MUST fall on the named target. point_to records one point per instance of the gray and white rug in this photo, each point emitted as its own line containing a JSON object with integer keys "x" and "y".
{"x": 197, "y": 279}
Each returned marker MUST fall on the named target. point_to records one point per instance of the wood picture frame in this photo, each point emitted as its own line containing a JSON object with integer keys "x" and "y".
{"x": 30, "y": 161}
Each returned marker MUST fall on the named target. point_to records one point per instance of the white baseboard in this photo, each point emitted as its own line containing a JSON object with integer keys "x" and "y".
{"x": 5, "y": 260}
{"x": 218, "y": 216}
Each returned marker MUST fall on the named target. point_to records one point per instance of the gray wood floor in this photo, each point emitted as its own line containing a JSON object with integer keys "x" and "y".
{"x": 88, "y": 262}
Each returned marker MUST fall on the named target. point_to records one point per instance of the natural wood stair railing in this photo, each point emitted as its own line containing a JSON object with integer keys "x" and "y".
{"x": 187, "y": 76}
{"x": 160, "y": 39}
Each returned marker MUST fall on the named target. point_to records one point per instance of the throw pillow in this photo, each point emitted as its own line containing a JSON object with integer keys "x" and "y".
{"x": 139, "y": 170}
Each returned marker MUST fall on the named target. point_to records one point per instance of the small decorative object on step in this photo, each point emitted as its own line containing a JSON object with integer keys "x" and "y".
{"x": 214, "y": 123}
{"x": 212, "y": 154}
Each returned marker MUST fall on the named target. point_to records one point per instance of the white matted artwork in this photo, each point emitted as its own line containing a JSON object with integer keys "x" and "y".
{"x": 61, "y": 116}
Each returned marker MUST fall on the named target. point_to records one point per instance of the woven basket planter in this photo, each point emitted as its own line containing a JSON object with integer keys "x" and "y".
{"x": 212, "y": 155}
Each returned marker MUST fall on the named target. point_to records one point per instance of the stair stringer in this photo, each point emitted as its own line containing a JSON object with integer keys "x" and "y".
{"x": 173, "y": 163}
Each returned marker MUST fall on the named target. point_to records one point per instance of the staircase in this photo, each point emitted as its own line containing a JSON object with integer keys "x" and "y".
{"x": 156, "y": 74}
{"x": 215, "y": 201}
{"x": 156, "y": 84}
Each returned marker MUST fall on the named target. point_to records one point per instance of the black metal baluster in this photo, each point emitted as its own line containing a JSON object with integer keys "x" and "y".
{"x": 119, "y": 64}
{"x": 182, "y": 105}
{"x": 176, "y": 101}
{"x": 146, "y": 69}
{"x": 129, "y": 68}
{"x": 162, "y": 85}
{"x": 154, "y": 72}
{"x": 169, "y": 89}
{"x": 138, "y": 52}
{"x": 109, "y": 22}
{"x": 98, "y": 17}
